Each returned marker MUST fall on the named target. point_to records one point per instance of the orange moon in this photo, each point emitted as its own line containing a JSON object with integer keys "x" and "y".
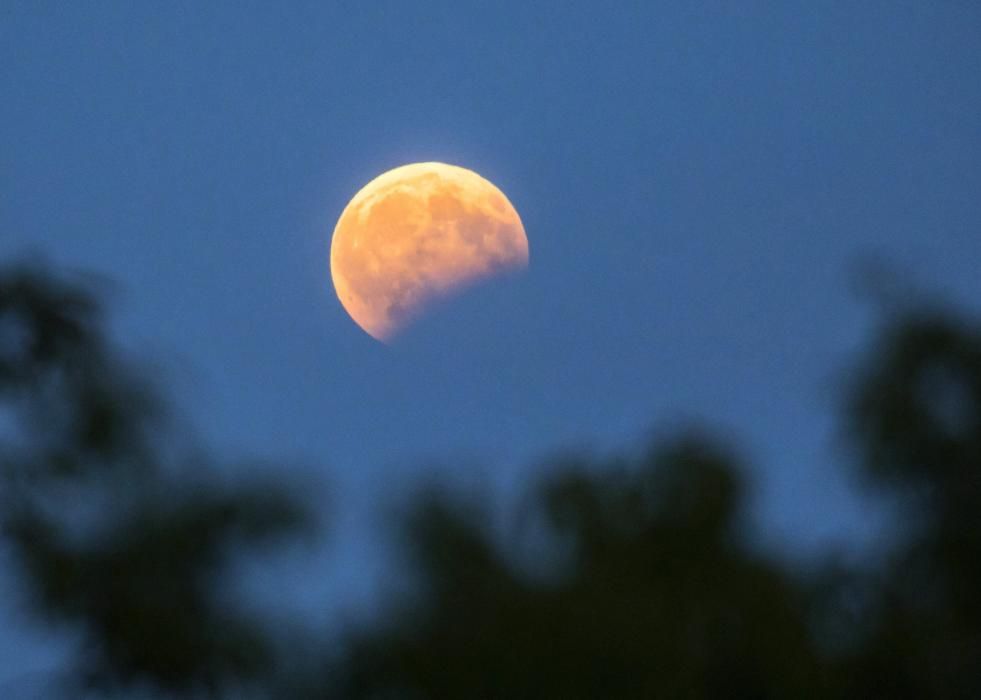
{"x": 416, "y": 234}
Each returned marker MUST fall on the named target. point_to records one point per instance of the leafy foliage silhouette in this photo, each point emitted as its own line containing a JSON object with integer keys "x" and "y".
{"x": 111, "y": 532}
{"x": 660, "y": 598}
{"x": 641, "y": 584}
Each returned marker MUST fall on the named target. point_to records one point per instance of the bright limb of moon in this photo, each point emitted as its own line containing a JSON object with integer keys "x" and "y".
{"x": 418, "y": 233}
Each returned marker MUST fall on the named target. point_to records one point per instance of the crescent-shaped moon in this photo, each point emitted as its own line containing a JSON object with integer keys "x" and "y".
{"x": 418, "y": 233}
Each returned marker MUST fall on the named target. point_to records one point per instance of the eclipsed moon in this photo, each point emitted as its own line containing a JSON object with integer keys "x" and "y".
{"x": 416, "y": 234}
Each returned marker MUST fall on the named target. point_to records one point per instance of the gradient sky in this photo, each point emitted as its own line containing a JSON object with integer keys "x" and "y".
{"x": 696, "y": 181}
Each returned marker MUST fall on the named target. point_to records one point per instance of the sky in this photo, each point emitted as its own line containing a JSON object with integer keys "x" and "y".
{"x": 697, "y": 182}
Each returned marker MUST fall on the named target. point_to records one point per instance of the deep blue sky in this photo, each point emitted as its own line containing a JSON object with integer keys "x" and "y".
{"x": 696, "y": 180}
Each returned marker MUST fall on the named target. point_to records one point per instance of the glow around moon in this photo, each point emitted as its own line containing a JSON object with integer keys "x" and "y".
{"x": 416, "y": 234}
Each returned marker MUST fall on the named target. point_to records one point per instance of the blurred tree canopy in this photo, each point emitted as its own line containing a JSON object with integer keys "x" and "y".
{"x": 629, "y": 578}
{"x": 114, "y": 530}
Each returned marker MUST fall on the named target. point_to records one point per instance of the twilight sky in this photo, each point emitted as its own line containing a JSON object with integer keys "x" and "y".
{"x": 696, "y": 181}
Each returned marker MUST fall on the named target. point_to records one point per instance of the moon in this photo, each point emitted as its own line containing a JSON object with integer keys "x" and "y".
{"x": 416, "y": 234}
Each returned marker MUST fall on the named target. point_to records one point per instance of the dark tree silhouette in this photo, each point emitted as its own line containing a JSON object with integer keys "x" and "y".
{"x": 662, "y": 598}
{"x": 915, "y": 416}
{"x": 623, "y": 578}
{"x": 113, "y": 532}
{"x": 656, "y": 596}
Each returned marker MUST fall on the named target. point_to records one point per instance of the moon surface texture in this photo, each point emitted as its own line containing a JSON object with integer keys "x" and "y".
{"x": 417, "y": 234}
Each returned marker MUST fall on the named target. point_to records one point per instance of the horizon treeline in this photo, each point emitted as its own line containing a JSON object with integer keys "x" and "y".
{"x": 623, "y": 577}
